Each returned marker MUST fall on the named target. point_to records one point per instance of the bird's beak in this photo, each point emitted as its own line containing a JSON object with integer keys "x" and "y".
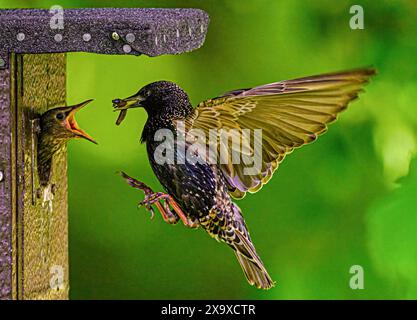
{"x": 128, "y": 103}
{"x": 72, "y": 125}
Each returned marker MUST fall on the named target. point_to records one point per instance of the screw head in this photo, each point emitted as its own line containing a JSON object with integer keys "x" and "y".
{"x": 130, "y": 37}
{"x": 115, "y": 36}
{"x": 20, "y": 36}
{"x": 1, "y": 176}
{"x": 2, "y": 62}
{"x": 86, "y": 37}
{"x": 127, "y": 48}
{"x": 58, "y": 37}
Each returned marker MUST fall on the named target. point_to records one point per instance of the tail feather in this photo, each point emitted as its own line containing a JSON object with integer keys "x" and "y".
{"x": 255, "y": 274}
{"x": 251, "y": 264}
{"x": 225, "y": 223}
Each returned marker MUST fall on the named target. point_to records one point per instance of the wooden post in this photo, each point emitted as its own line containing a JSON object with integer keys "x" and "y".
{"x": 42, "y": 223}
{"x": 33, "y": 220}
{"x": 34, "y": 260}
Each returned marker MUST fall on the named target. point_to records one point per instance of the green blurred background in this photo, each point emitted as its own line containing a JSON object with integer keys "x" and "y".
{"x": 348, "y": 199}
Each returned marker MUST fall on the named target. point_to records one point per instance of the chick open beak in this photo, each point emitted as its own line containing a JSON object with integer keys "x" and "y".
{"x": 72, "y": 125}
{"x": 123, "y": 104}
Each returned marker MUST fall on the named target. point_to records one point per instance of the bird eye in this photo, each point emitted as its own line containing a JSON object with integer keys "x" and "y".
{"x": 60, "y": 116}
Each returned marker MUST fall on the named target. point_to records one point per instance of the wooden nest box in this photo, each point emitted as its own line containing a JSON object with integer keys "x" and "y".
{"x": 33, "y": 225}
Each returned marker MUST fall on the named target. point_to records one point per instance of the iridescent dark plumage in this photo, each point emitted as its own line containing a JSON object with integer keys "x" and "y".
{"x": 291, "y": 114}
{"x": 57, "y": 127}
{"x": 199, "y": 189}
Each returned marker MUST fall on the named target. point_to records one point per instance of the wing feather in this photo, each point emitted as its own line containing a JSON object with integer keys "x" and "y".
{"x": 290, "y": 113}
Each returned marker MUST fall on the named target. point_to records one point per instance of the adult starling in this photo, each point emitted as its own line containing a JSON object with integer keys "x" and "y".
{"x": 290, "y": 113}
{"x": 57, "y": 127}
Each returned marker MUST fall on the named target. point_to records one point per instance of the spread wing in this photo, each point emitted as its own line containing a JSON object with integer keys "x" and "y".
{"x": 290, "y": 113}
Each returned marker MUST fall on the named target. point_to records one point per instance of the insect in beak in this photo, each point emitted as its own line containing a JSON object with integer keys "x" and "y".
{"x": 123, "y": 104}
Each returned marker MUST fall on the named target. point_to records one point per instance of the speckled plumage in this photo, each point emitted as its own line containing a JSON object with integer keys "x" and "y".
{"x": 290, "y": 113}
{"x": 200, "y": 189}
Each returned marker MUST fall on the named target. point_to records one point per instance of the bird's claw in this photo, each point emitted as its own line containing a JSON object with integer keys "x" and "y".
{"x": 153, "y": 198}
{"x": 150, "y": 199}
{"x": 164, "y": 202}
{"x": 148, "y": 208}
{"x": 160, "y": 199}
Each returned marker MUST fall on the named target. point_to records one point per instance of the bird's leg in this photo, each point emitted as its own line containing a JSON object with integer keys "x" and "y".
{"x": 169, "y": 201}
{"x": 152, "y": 197}
{"x": 166, "y": 213}
{"x": 187, "y": 221}
{"x": 156, "y": 198}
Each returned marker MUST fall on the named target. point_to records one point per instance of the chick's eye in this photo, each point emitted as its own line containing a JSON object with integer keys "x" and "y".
{"x": 60, "y": 116}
